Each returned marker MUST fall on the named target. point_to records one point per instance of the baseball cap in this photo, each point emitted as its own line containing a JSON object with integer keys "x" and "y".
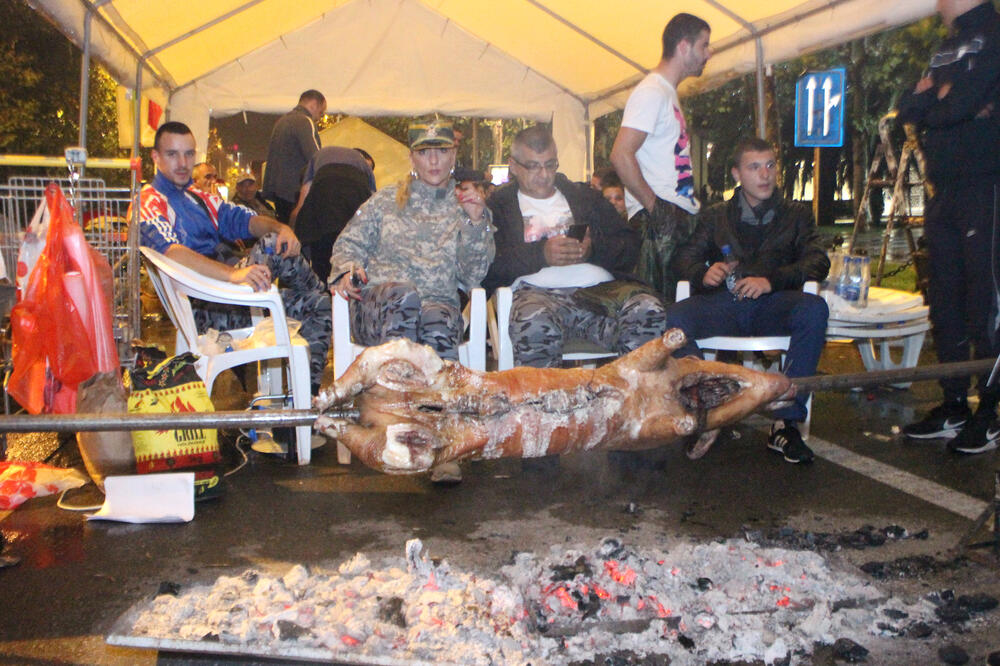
{"x": 245, "y": 178}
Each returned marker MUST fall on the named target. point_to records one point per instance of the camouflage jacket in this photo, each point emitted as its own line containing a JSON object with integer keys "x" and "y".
{"x": 430, "y": 242}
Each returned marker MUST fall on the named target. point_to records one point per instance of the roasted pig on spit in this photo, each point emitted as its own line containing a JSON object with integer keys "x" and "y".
{"x": 415, "y": 411}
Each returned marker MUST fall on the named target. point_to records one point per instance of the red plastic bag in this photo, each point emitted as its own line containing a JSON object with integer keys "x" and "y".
{"x": 61, "y": 329}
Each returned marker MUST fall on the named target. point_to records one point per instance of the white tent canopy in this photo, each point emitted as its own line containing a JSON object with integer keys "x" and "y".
{"x": 568, "y": 61}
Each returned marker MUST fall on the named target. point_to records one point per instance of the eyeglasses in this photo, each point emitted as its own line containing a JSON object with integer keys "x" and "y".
{"x": 535, "y": 167}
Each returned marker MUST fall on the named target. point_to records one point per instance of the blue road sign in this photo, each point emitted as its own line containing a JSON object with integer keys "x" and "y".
{"x": 819, "y": 109}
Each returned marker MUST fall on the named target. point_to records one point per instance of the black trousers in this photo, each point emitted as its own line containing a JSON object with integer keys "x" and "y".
{"x": 961, "y": 226}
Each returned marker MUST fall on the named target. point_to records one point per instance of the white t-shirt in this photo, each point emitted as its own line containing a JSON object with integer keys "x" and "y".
{"x": 665, "y": 156}
{"x": 544, "y": 218}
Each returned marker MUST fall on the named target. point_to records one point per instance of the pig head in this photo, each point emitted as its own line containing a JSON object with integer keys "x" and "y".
{"x": 416, "y": 411}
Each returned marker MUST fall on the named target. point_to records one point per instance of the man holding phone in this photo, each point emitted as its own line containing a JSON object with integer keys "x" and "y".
{"x": 569, "y": 257}
{"x": 190, "y": 227}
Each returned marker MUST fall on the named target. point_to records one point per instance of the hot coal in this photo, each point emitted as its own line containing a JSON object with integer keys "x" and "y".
{"x": 847, "y": 650}
{"x": 167, "y": 587}
{"x": 952, "y": 613}
{"x": 977, "y": 603}
{"x": 867, "y": 536}
{"x": 906, "y": 567}
{"x": 919, "y": 630}
{"x": 289, "y": 630}
{"x": 391, "y": 610}
{"x": 624, "y": 658}
{"x": 579, "y": 568}
{"x": 953, "y": 654}
{"x": 608, "y": 604}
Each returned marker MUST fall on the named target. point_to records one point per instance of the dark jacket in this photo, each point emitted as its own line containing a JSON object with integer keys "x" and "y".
{"x": 293, "y": 141}
{"x": 961, "y": 146}
{"x": 615, "y": 246}
{"x": 790, "y": 254}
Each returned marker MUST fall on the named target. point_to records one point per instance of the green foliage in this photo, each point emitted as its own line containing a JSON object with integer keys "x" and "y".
{"x": 39, "y": 98}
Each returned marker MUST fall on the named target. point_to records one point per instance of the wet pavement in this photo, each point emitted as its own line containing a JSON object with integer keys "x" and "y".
{"x": 77, "y": 578}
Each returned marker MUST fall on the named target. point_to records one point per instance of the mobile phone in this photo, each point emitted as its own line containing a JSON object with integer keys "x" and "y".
{"x": 577, "y": 231}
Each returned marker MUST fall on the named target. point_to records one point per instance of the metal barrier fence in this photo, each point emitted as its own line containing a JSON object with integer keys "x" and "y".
{"x": 102, "y": 212}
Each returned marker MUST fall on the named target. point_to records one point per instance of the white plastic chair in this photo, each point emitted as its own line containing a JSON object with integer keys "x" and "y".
{"x": 574, "y": 350}
{"x": 471, "y": 353}
{"x": 747, "y": 345}
{"x": 175, "y": 284}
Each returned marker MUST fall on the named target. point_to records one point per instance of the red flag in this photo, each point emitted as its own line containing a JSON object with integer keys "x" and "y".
{"x": 155, "y": 112}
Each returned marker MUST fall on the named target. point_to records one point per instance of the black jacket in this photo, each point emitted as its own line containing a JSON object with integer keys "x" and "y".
{"x": 293, "y": 141}
{"x": 790, "y": 254}
{"x": 960, "y": 144}
{"x": 615, "y": 245}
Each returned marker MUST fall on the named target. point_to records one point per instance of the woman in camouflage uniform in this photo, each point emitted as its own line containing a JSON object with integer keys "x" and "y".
{"x": 403, "y": 257}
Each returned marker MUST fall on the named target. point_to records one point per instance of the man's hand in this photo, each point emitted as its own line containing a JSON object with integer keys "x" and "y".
{"x": 257, "y": 276}
{"x": 715, "y": 274}
{"x": 287, "y": 244}
{"x": 349, "y": 286}
{"x": 752, "y": 287}
{"x": 565, "y": 251}
{"x": 923, "y": 85}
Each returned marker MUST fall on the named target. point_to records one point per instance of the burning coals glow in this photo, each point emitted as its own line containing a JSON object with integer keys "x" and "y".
{"x": 728, "y": 600}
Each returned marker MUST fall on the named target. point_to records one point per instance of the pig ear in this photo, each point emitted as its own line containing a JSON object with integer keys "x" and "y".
{"x": 699, "y": 447}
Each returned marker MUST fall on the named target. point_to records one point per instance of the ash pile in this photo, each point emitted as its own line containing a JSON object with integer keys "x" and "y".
{"x": 726, "y": 601}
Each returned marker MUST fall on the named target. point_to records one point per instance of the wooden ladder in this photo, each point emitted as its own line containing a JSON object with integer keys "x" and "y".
{"x": 897, "y": 172}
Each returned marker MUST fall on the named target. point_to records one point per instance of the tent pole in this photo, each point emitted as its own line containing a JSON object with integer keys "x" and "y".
{"x": 761, "y": 105}
{"x": 85, "y": 77}
{"x": 589, "y": 131}
{"x": 137, "y": 117}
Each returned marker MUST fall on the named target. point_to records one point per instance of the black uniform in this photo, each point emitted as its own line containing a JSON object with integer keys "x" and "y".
{"x": 960, "y": 133}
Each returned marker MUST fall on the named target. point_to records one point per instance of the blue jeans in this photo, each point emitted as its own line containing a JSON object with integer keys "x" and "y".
{"x": 794, "y": 313}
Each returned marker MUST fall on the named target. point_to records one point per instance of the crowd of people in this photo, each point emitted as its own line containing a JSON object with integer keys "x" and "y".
{"x": 596, "y": 261}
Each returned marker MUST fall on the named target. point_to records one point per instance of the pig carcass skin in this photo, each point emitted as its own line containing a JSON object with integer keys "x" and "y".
{"x": 415, "y": 411}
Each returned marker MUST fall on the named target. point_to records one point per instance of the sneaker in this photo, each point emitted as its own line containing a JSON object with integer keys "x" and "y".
{"x": 446, "y": 474}
{"x": 787, "y": 440}
{"x": 945, "y": 420}
{"x": 979, "y": 435}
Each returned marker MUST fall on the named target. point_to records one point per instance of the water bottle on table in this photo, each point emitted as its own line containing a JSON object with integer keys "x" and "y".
{"x": 732, "y": 267}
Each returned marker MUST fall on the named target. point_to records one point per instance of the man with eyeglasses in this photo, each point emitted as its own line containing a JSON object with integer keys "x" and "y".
{"x": 747, "y": 262}
{"x": 569, "y": 257}
{"x": 652, "y": 152}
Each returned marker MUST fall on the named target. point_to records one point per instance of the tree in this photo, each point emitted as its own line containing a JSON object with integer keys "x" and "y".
{"x": 40, "y": 95}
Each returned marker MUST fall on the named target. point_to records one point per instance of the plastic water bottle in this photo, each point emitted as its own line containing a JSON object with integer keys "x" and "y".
{"x": 866, "y": 280}
{"x": 731, "y": 264}
{"x": 852, "y": 286}
{"x": 843, "y": 277}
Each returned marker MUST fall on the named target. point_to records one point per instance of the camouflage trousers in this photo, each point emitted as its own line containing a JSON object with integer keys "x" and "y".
{"x": 394, "y": 310}
{"x": 306, "y": 299}
{"x": 617, "y": 315}
{"x": 662, "y": 233}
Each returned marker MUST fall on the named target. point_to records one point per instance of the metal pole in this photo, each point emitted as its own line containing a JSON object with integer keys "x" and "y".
{"x": 761, "y": 105}
{"x": 85, "y": 77}
{"x": 116, "y": 422}
{"x": 137, "y": 116}
{"x": 300, "y": 417}
{"x": 899, "y": 376}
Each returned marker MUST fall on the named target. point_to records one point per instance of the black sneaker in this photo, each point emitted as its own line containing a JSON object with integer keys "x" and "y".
{"x": 943, "y": 421}
{"x": 787, "y": 440}
{"x": 979, "y": 435}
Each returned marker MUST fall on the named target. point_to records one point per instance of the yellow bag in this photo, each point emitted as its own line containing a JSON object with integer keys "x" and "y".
{"x": 171, "y": 387}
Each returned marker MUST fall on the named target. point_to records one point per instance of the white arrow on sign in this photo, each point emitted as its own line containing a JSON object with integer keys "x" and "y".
{"x": 811, "y": 93}
{"x": 829, "y": 103}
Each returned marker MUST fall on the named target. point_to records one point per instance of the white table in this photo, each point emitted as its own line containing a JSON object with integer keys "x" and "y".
{"x": 892, "y": 319}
